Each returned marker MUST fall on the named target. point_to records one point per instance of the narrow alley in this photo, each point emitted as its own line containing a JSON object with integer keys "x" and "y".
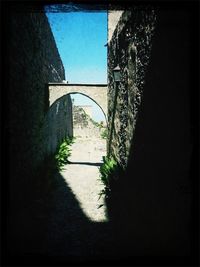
{"x": 120, "y": 80}
{"x": 82, "y": 176}
{"x": 77, "y": 228}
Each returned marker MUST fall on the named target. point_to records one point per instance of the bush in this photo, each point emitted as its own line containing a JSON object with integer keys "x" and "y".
{"x": 63, "y": 152}
{"x": 109, "y": 172}
{"x": 104, "y": 134}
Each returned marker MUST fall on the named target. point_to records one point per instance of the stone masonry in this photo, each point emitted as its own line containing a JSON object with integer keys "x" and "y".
{"x": 32, "y": 62}
{"x": 129, "y": 48}
{"x": 152, "y": 131}
{"x": 97, "y": 92}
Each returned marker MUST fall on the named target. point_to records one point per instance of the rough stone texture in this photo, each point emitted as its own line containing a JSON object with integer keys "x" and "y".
{"x": 156, "y": 134}
{"x": 97, "y": 92}
{"x": 130, "y": 49}
{"x": 32, "y": 61}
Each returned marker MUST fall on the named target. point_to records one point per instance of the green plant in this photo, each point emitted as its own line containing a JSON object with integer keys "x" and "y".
{"x": 104, "y": 134}
{"x": 70, "y": 140}
{"x": 63, "y": 152}
{"x": 95, "y": 123}
{"x": 109, "y": 171}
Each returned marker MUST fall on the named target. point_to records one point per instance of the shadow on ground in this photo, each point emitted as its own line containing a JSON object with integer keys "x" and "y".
{"x": 53, "y": 229}
{"x": 87, "y": 163}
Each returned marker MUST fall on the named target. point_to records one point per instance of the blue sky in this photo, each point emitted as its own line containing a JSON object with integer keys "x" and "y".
{"x": 80, "y": 38}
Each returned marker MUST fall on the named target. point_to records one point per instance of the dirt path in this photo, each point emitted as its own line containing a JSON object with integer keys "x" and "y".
{"x": 82, "y": 176}
{"x": 77, "y": 229}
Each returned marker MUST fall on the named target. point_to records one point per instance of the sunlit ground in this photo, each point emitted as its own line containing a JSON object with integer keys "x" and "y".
{"x": 83, "y": 177}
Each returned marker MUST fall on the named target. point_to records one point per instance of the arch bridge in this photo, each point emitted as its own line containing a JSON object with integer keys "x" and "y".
{"x": 96, "y": 92}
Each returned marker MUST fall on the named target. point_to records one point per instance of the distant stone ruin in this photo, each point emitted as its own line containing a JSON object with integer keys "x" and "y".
{"x": 84, "y": 126}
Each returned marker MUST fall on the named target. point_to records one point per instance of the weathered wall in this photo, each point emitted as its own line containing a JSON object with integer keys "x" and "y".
{"x": 58, "y": 123}
{"x": 157, "y": 146}
{"x": 84, "y": 126}
{"x": 32, "y": 61}
{"x": 130, "y": 49}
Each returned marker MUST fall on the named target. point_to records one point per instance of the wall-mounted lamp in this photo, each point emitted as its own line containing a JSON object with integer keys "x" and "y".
{"x": 117, "y": 74}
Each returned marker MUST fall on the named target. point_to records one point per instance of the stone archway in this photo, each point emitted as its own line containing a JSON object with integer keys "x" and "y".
{"x": 96, "y": 92}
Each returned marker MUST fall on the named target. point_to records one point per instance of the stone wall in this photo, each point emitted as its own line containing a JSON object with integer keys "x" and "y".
{"x": 153, "y": 133}
{"x": 32, "y": 61}
{"x": 129, "y": 48}
{"x": 58, "y": 123}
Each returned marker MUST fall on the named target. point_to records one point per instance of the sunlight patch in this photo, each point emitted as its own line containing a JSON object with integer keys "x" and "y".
{"x": 84, "y": 183}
